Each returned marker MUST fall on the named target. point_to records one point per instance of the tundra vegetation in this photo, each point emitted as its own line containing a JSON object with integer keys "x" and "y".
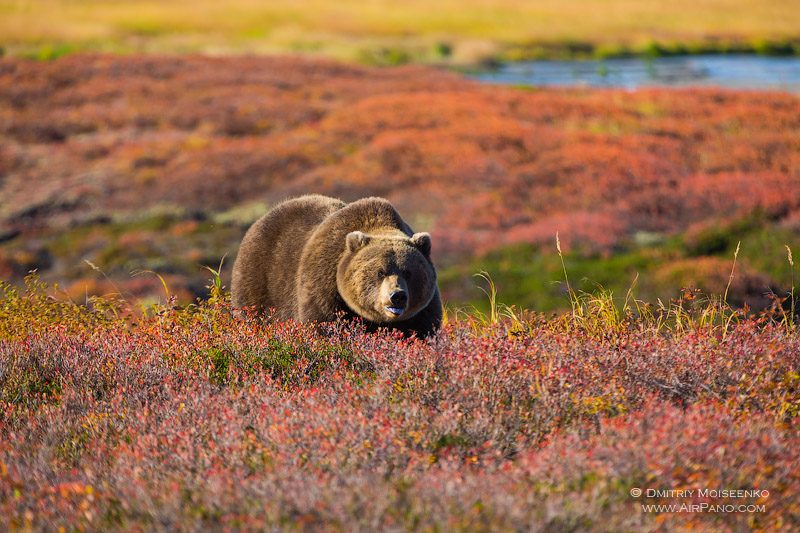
{"x": 117, "y": 167}
{"x": 188, "y": 417}
{"x": 126, "y": 402}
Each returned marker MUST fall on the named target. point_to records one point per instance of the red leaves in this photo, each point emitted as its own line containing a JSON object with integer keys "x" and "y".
{"x": 196, "y": 417}
{"x": 481, "y": 167}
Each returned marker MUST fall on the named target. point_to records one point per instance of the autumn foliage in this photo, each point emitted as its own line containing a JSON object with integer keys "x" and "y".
{"x": 121, "y": 413}
{"x": 191, "y": 418}
{"x": 159, "y": 163}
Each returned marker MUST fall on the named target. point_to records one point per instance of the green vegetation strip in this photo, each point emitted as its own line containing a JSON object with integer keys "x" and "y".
{"x": 651, "y": 267}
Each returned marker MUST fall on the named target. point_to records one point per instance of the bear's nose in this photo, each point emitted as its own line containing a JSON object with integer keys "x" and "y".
{"x": 399, "y": 298}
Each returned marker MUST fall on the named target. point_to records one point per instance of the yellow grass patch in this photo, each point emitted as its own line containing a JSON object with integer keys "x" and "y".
{"x": 446, "y": 30}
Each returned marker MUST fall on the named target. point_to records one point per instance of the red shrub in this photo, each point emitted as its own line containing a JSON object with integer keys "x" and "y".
{"x": 195, "y": 419}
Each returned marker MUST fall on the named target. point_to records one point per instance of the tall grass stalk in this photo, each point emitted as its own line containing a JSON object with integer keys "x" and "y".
{"x": 573, "y": 299}
{"x": 733, "y": 269}
{"x": 491, "y": 294}
{"x": 96, "y": 268}
{"x": 724, "y": 307}
{"x": 790, "y": 322}
{"x": 216, "y": 288}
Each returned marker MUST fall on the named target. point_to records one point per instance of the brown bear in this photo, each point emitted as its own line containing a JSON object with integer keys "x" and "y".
{"x": 314, "y": 257}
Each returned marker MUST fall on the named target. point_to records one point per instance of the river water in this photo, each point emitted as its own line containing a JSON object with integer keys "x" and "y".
{"x": 731, "y": 71}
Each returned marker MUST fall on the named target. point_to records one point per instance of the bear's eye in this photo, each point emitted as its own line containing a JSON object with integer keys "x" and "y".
{"x": 381, "y": 273}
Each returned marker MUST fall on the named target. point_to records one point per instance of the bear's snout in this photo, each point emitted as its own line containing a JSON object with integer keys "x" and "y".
{"x": 394, "y": 296}
{"x": 399, "y": 298}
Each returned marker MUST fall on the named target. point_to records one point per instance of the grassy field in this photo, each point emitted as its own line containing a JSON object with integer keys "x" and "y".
{"x": 464, "y": 32}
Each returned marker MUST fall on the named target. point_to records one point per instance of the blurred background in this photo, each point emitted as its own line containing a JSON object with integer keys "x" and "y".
{"x": 139, "y": 140}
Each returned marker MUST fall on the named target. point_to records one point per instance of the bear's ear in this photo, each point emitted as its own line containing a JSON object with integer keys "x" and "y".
{"x": 356, "y": 240}
{"x": 422, "y": 241}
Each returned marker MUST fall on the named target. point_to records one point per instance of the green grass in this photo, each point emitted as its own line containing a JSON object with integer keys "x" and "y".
{"x": 531, "y": 277}
{"x": 386, "y": 32}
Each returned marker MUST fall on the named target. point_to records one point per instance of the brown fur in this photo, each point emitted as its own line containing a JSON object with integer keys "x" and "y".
{"x": 313, "y": 257}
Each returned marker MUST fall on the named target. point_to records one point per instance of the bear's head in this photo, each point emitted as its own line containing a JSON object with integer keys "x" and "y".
{"x": 386, "y": 278}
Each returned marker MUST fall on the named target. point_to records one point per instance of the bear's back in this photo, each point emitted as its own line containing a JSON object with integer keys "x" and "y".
{"x": 265, "y": 270}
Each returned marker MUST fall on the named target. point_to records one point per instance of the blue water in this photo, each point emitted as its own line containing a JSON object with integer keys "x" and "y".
{"x": 731, "y": 71}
